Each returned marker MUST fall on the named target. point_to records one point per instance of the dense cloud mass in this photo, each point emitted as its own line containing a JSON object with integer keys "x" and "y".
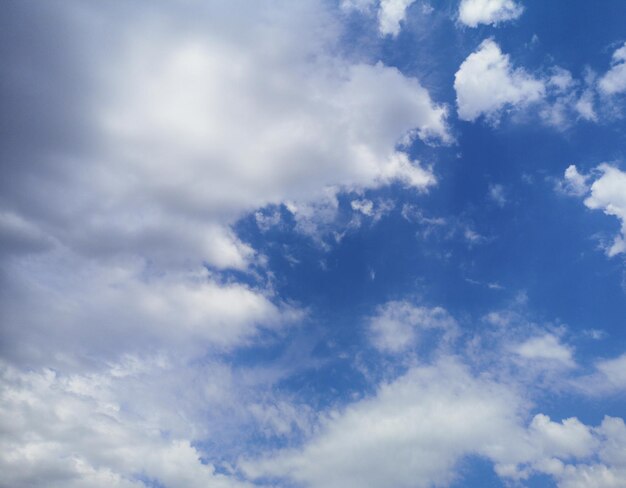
{"x": 315, "y": 243}
{"x": 176, "y": 154}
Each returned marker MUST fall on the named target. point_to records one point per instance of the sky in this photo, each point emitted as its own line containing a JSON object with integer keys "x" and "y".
{"x": 313, "y": 244}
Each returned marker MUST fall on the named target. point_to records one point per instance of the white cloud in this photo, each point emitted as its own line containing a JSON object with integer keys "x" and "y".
{"x": 199, "y": 115}
{"x": 397, "y": 325}
{"x": 607, "y": 193}
{"x": 102, "y": 311}
{"x": 547, "y": 348}
{"x": 411, "y": 434}
{"x": 365, "y": 206}
{"x": 75, "y": 431}
{"x": 178, "y": 128}
{"x": 416, "y": 429}
{"x": 390, "y": 14}
{"x": 614, "y": 371}
{"x": 609, "y": 471}
{"x": 585, "y": 106}
{"x": 614, "y": 80}
{"x": 194, "y": 124}
{"x": 574, "y": 182}
{"x": 474, "y": 12}
{"x": 486, "y": 84}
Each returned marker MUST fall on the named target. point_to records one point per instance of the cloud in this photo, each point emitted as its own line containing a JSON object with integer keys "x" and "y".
{"x": 18, "y": 236}
{"x": 415, "y": 430}
{"x": 608, "y": 471}
{"x": 497, "y": 194}
{"x": 486, "y": 84}
{"x": 390, "y": 14}
{"x": 609, "y": 377}
{"x": 410, "y": 434}
{"x": 574, "y": 183}
{"x": 397, "y": 325}
{"x": 73, "y": 431}
{"x": 296, "y": 124}
{"x": 474, "y": 12}
{"x": 607, "y": 193}
{"x": 545, "y": 348}
{"x": 614, "y": 370}
{"x": 191, "y": 127}
{"x": 614, "y": 80}
{"x": 187, "y": 122}
{"x": 103, "y": 311}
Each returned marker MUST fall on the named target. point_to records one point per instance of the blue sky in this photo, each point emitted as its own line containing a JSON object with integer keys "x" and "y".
{"x": 317, "y": 244}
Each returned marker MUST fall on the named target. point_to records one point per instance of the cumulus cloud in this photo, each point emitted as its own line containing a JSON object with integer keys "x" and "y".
{"x": 189, "y": 120}
{"x": 486, "y": 84}
{"x": 77, "y": 431}
{"x": 390, "y": 13}
{"x": 411, "y": 434}
{"x": 614, "y": 80}
{"x": 191, "y": 127}
{"x": 475, "y": 12}
{"x": 574, "y": 183}
{"x": 105, "y": 311}
{"x": 415, "y": 431}
{"x": 607, "y": 192}
{"x": 137, "y": 146}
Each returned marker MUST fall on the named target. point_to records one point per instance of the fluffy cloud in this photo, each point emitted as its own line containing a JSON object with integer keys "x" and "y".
{"x": 607, "y": 471}
{"x": 411, "y": 434}
{"x": 105, "y": 311}
{"x": 397, "y": 325}
{"x": 390, "y": 14}
{"x": 474, "y": 12}
{"x": 189, "y": 120}
{"x": 574, "y": 183}
{"x": 138, "y": 143}
{"x": 614, "y": 80}
{"x": 190, "y": 127}
{"x": 416, "y": 429}
{"x": 486, "y": 84}
{"x": 75, "y": 431}
{"x": 607, "y": 193}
